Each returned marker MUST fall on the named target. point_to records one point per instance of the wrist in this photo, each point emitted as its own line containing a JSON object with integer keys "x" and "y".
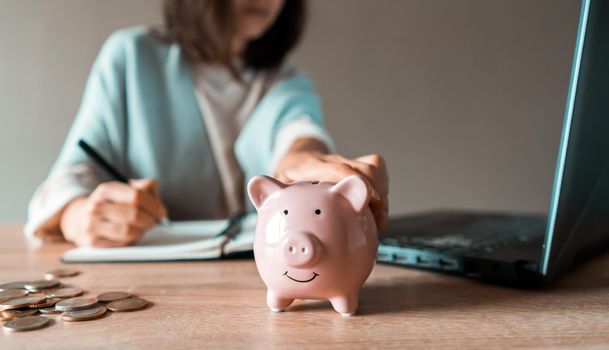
{"x": 71, "y": 215}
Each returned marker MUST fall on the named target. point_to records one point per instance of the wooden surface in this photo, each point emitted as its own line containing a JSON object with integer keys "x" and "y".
{"x": 222, "y": 304}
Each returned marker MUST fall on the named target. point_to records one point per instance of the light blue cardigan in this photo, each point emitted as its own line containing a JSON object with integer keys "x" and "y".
{"x": 140, "y": 110}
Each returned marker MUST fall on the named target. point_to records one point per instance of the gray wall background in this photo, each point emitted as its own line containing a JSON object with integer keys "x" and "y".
{"x": 464, "y": 98}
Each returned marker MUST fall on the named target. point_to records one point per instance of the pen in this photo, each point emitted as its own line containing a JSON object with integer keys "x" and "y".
{"x": 234, "y": 226}
{"x": 99, "y": 160}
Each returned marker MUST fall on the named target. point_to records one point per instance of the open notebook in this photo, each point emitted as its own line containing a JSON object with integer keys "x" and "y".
{"x": 186, "y": 240}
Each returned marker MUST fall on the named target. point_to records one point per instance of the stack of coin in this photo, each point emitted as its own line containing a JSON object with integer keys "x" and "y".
{"x": 23, "y": 303}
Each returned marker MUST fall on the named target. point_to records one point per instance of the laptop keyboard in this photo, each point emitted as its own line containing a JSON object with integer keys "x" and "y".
{"x": 485, "y": 235}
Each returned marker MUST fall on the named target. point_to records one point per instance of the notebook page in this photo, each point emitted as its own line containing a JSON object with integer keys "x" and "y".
{"x": 176, "y": 241}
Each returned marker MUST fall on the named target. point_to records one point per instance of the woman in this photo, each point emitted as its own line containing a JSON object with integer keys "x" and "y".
{"x": 192, "y": 111}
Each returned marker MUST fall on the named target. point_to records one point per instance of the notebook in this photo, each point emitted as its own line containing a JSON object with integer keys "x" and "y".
{"x": 185, "y": 240}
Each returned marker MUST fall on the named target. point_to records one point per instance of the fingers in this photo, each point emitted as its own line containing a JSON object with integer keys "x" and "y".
{"x": 94, "y": 241}
{"x": 372, "y": 167}
{"x": 121, "y": 213}
{"x": 378, "y": 170}
{"x": 320, "y": 170}
{"x": 334, "y": 168}
{"x": 152, "y": 187}
{"x": 118, "y": 192}
{"x": 118, "y": 232}
{"x": 381, "y": 210}
{"x": 146, "y": 185}
{"x": 118, "y": 214}
{"x": 283, "y": 178}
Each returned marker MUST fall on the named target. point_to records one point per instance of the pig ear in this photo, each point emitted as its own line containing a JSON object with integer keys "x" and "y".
{"x": 261, "y": 187}
{"x": 355, "y": 190}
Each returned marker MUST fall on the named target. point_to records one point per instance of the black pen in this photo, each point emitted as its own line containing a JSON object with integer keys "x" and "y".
{"x": 99, "y": 160}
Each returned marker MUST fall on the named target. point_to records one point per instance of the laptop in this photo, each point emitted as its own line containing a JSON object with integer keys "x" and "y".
{"x": 531, "y": 249}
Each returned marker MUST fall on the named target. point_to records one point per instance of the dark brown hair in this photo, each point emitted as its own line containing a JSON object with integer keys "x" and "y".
{"x": 204, "y": 29}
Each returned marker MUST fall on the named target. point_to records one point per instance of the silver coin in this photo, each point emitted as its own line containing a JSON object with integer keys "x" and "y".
{"x": 112, "y": 296}
{"x": 61, "y": 273}
{"x": 20, "y": 302}
{"x": 27, "y": 323}
{"x": 84, "y": 314}
{"x": 37, "y": 286}
{"x": 76, "y": 303}
{"x": 68, "y": 292}
{"x": 12, "y": 293}
{"x": 13, "y": 285}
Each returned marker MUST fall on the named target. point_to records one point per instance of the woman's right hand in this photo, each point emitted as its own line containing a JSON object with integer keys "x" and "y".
{"x": 115, "y": 214}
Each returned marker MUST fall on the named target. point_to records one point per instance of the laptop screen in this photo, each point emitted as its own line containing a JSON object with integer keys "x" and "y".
{"x": 578, "y": 220}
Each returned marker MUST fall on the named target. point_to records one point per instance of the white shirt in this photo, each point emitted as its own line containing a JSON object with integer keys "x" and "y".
{"x": 226, "y": 105}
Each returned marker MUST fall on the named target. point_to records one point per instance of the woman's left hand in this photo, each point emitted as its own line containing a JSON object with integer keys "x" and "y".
{"x": 308, "y": 165}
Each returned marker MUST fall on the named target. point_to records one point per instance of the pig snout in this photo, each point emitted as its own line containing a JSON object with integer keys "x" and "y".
{"x": 300, "y": 249}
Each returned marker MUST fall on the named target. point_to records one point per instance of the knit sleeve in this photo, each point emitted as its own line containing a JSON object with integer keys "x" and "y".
{"x": 97, "y": 122}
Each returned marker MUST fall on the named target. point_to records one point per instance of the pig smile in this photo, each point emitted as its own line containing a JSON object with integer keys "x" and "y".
{"x": 301, "y": 281}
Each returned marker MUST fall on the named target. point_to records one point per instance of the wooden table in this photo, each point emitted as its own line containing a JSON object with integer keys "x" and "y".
{"x": 222, "y": 304}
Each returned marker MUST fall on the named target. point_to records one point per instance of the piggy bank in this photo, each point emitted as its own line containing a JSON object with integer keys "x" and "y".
{"x": 313, "y": 240}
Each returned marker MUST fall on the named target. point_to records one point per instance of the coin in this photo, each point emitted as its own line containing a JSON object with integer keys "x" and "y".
{"x": 27, "y": 323}
{"x": 131, "y": 304}
{"x": 20, "y": 302}
{"x": 68, "y": 292}
{"x": 84, "y": 314}
{"x": 12, "y": 293}
{"x": 61, "y": 273}
{"x": 5, "y": 316}
{"x": 76, "y": 303}
{"x": 47, "y": 303}
{"x": 13, "y": 285}
{"x": 112, "y": 296}
{"x": 49, "y": 310}
{"x": 37, "y": 286}
{"x": 8, "y": 315}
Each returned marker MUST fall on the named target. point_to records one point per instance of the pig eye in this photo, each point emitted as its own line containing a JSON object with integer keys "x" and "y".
{"x": 317, "y": 211}
{"x": 285, "y": 212}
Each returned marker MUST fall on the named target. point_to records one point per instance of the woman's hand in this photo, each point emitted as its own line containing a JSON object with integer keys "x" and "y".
{"x": 115, "y": 214}
{"x": 307, "y": 160}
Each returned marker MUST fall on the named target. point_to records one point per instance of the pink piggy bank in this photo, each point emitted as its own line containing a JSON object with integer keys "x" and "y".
{"x": 314, "y": 240}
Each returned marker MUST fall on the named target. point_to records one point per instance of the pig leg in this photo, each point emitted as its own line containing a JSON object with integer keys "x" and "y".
{"x": 346, "y": 304}
{"x": 276, "y": 303}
